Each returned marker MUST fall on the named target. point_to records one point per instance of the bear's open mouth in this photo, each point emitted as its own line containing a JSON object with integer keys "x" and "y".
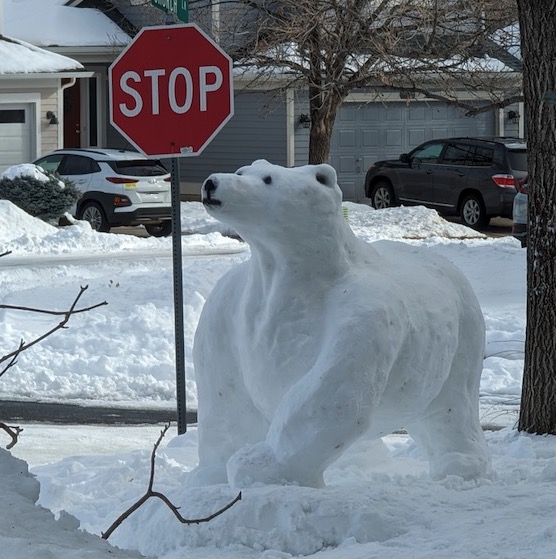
{"x": 208, "y": 201}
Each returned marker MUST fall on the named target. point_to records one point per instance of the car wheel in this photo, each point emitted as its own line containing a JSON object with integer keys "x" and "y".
{"x": 472, "y": 212}
{"x": 94, "y": 214}
{"x": 382, "y": 196}
{"x": 160, "y": 230}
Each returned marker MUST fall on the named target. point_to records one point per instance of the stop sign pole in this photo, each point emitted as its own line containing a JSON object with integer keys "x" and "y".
{"x": 171, "y": 92}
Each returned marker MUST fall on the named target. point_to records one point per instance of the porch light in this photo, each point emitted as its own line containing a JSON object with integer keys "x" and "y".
{"x": 52, "y": 118}
{"x": 305, "y": 120}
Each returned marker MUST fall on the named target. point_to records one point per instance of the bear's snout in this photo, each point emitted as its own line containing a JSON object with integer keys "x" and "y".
{"x": 209, "y": 188}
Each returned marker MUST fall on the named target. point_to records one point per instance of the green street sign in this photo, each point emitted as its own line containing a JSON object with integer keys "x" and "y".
{"x": 176, "y": 7}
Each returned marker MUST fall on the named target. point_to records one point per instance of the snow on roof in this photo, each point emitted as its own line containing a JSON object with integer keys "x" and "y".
{"x": 48, "y": 23}
{"x": 19, "y": 57}
{"x": 509, "y": 38}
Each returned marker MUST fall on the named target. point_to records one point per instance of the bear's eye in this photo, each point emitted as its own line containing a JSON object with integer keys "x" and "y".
{"x": 240, "y": 172}
{"x": 322, "y": 179}
{"x": 267, "y": 179}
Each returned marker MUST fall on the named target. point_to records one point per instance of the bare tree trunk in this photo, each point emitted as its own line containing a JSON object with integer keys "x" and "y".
{"x": 323, "y": 110}
{"x": 538, "y": 402}
{"x": 319, "y": 138}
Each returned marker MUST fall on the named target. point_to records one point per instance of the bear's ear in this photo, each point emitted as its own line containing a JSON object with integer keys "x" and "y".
{"x": 325, "y": 174}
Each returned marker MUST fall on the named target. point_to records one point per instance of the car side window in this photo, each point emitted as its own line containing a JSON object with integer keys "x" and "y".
{"x": 458, "y": 154}
{"x": 51, "y": 163}
{"x": 78, "y": 165}
{"x": 482, "y": 157}
{"x": 428, "y": 154}
{"x": 468, "y": 155}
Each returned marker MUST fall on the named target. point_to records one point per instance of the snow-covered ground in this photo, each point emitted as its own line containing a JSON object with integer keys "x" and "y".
{"x": 378, "y": 502}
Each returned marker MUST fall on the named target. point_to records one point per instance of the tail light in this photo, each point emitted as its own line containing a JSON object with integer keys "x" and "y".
{"x": 522, "y": 186}
{"x": 504, "y": 181}
{"x": 121, "y": 201}
{"x": 168, "y": 179}
{"x": 121, "y": 180}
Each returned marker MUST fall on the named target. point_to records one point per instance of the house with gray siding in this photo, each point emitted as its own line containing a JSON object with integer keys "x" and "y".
{"x": 268, "y": 122}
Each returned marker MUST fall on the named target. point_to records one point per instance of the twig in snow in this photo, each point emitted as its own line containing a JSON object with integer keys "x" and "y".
{"x": 13, "y": 431}
{"x": 151, "y": 493}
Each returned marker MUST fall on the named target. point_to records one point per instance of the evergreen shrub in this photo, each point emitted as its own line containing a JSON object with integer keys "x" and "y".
{"x": 47, "y": 200}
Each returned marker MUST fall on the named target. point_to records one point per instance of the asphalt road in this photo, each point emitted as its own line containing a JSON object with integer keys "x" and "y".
{"x": 71, "y": 414}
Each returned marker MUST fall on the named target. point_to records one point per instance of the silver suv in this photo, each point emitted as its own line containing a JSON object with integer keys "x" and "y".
{"x": 119, "y": 187}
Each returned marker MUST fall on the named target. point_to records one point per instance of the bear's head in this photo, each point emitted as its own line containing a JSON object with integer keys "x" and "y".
{"x": 268, "y": 197}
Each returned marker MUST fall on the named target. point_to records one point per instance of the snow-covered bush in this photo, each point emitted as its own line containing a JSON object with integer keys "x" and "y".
{"x": 37, "y": 192}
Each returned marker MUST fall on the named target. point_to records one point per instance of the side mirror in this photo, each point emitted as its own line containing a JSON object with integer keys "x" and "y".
{"x": 404, "y": 158}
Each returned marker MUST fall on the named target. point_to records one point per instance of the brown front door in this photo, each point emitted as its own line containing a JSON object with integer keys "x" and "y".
{"x": 72, "y": 116}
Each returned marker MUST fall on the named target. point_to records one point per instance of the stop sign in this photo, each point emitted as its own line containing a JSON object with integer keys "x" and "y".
{"x": 171, "y": 90}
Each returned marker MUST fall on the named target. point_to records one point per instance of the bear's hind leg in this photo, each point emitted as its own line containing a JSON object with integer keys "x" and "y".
{"x": 449, "y": 430}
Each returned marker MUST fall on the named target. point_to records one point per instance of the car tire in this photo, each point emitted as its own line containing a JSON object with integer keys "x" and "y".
{"x": 473, "y": 213}
{"x": 382, "y": 196}
{"x": 160, "y": 230}
{"x": 94, "y": 214}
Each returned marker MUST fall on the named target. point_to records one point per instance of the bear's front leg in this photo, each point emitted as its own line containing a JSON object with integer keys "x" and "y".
{"x": 257, "y": 463}
{"x": 227, "y": 416}
{"x": 319, "y": 417}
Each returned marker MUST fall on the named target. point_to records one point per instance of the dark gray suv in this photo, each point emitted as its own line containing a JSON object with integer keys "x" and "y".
{"x": 474, "y": 178}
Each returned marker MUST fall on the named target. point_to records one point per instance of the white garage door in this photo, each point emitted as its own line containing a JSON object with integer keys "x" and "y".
{"x": 365, "y": 133}
{"x": 15, "y": 134}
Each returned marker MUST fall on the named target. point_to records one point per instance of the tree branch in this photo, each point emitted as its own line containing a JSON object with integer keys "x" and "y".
{"x": 151, "y": 493}
{"x": 13, "y": 431}
{"x": 12, "y": 357}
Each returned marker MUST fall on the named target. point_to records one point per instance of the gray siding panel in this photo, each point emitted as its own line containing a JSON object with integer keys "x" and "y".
{"x": 256, "y": 131}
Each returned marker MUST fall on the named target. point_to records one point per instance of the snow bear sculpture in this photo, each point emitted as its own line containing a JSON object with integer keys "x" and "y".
{"x": 321, "y": 337}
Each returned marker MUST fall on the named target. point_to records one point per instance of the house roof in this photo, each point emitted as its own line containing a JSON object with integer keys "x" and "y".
{"x": 51, "y": 23}
{"x": 18, "y": 57}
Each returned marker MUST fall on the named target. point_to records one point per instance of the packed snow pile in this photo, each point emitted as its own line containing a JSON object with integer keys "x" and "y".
{"x": 413, "y": 223}
{"x": 25, "y": 235}
{"x": 15, "y": 223}
{"x": 28, "y": 530}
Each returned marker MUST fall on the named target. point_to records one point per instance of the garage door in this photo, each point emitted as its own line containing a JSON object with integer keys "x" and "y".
{"x": 15, "y": 135}
{"x": 365, "y": 133}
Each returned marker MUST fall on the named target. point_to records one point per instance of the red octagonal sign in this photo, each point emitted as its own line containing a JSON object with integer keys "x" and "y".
{"x": 171, "y": 91}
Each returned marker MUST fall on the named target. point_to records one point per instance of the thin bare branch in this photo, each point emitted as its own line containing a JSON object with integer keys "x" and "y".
{"x": 13, "y": 431}
{"x": 52, "y": 313}
{"x": 151, "y": 493}
{"x": 23, "y": 346}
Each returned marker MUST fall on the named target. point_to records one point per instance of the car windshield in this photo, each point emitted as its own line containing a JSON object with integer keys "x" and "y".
{"x": 138, "y": 168}
{"x": 518, "y": 159}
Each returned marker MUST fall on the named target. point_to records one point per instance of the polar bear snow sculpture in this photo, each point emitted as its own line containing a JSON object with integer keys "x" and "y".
{"x": 320, "y": 337}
